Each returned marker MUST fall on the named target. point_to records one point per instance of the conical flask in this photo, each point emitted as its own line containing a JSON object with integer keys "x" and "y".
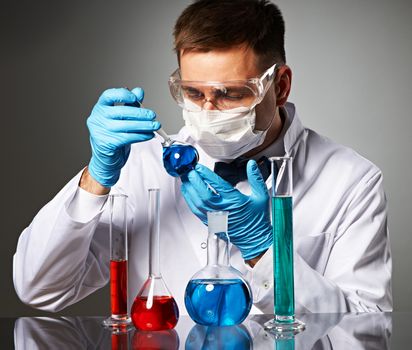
{"x": 154, "y": 308}
{"x": 218, "y": 295}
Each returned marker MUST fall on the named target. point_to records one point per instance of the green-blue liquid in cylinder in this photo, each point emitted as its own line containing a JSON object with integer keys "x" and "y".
{"x": 285, "y": 344}
{"x": 283, "y": 256}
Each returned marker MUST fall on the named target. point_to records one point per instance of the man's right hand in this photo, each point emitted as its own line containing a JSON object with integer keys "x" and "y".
{"x": 113, "y": 128}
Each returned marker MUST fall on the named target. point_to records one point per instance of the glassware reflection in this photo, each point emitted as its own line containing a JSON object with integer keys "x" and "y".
{"x": 156, "y": 340}
{"x": 324, "y": 331}
{"x": 120, "y": 340}
{"x": 213, "y": 337}
{"x": 353, "y": 331}
{"x": 61, "y": 333}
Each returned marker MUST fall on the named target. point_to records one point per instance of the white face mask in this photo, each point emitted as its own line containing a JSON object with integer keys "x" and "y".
{"x": 224, "y": 136}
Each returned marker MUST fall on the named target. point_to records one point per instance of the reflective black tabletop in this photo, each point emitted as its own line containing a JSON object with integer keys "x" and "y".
{"x": 323, "y": 331}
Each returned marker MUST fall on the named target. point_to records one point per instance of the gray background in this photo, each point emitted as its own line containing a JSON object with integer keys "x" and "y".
{"x": 352, "y": 71}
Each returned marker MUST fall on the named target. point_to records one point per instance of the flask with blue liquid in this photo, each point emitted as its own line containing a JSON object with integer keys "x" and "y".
{"x": 178, "y": 157}
{"x": 218, "y": 295}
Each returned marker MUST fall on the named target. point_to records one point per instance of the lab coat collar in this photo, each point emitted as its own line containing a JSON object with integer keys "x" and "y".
{"x": 295, "y": 132}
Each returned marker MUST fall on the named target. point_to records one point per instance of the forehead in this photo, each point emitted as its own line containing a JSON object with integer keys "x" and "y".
{"x": 236, "y": 63}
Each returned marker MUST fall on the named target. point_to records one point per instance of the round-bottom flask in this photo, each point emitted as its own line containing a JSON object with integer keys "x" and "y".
{"x": 218, "y": 295}
{"x": 179, "y": 158}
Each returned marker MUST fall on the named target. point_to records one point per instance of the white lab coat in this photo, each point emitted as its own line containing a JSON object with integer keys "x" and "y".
{"x": 342, "y": 252}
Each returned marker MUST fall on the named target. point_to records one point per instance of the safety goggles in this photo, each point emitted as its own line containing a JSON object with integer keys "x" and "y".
{"x": 225, "y": 96}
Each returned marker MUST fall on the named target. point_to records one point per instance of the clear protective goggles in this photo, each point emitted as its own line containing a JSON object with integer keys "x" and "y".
{"x": 225, "y": 96}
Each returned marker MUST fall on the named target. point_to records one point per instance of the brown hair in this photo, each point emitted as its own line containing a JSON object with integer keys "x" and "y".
{"x": 206, "y": 25}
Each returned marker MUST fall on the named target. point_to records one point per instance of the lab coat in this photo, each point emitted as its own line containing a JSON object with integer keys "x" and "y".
{"x": 342, "y": 258}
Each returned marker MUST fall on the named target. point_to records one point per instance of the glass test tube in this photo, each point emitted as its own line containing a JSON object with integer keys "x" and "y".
{"x": 119, "y": 318}
{"x": 282, "y": 222}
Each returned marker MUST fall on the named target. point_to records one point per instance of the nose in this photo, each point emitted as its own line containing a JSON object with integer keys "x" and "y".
{"x": 209, "y": 105}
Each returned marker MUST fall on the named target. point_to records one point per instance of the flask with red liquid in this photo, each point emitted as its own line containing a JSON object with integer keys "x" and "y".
{"x": 154, "y": 308}
{"x": 119, "y": 319}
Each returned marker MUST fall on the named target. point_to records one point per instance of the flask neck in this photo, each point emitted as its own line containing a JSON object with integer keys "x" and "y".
{"x": 154, "y": 226}
{"x": 218, "y": 249}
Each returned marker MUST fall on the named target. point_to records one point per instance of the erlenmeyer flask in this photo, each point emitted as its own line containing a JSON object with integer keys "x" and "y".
{"x": 154, "y": 308}
{"x": 218, "y": 295}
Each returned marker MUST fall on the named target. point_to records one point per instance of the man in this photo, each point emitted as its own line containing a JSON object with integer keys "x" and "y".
{"x": 233, "y": 84}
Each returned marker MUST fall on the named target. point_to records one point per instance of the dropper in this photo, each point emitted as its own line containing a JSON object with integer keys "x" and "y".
{"x": 167, "y": 140}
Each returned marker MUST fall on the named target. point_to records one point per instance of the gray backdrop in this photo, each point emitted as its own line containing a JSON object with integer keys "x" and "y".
{"x": 352, "y": 70}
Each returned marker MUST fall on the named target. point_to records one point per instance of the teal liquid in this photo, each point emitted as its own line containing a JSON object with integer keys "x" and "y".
{"x": 283, "y": 253}
{"x": 285, "y": 344}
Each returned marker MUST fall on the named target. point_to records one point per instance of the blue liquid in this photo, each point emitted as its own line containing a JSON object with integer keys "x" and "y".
{"x": 217, "y": 302}
{"x": 283, "y": 253}
{"x": 179, "y": 159}
{"x": 213, "y": 337}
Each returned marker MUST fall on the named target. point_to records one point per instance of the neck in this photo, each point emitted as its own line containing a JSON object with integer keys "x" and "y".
{"x": 217, "y": 250}
{"x": 154, "y": 253}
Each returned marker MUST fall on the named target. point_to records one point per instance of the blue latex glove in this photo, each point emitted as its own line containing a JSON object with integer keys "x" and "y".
{"x": 114, "y": 128}
{"x": 249, "y": 225}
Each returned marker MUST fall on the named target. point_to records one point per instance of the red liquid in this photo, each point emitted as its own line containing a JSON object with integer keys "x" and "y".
{"x": 118, "y": 286}
{"x": 120, "y": 341}
{"x": 161, "y": 316}
{"x": 162, "y": 340}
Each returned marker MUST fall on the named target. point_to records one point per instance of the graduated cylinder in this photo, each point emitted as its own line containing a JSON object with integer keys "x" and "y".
{"x": 118, "y": 262}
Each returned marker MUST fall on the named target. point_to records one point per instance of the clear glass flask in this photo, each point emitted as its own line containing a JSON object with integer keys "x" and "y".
{"x": 218, "y": 295}
{"x": 282, "y": 221}
{"x": 178, "y": 157}
{"x": 154, "y": 307}
{"x": 119, "y": 319}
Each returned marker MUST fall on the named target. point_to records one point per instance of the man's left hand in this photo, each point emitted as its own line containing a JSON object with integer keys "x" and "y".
{"x": 249, "y": 225}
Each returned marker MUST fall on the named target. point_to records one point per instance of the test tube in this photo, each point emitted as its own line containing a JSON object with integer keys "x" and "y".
{"x": 119, "y": 319}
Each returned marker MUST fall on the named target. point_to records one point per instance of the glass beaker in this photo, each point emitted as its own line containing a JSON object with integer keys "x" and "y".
{"x": 218, "y": 295}
{"x": 119, "y": 319}
{"x": 178, "y": 157}
{"x": 154, "y": 308}
{"x": 282, "y": 222}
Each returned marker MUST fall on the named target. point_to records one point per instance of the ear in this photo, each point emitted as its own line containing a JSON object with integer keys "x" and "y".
{"x": 283, "y": 83}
